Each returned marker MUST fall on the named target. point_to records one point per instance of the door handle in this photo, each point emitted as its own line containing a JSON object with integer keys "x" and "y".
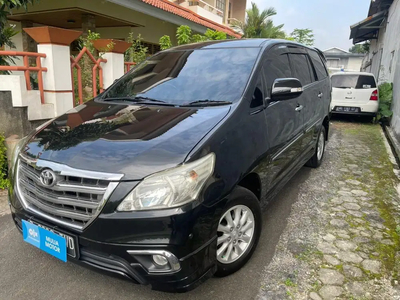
{"x": 320, "y": 95}
{"x": 299, "y": 108}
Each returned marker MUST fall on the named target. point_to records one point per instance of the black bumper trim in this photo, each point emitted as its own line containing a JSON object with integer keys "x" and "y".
{"x": 112, "y": 264}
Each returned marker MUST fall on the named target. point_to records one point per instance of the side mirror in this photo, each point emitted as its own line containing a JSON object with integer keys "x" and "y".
{"x": 286, "y": 88}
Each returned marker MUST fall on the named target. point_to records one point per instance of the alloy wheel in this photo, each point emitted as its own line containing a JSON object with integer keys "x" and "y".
{"x": 235, "y": 233}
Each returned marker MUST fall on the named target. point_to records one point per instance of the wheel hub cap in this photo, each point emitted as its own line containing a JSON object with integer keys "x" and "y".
{"x": 235, "y": 233}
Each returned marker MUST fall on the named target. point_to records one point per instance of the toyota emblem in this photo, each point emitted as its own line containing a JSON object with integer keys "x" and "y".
{"x": 48, "y": 178}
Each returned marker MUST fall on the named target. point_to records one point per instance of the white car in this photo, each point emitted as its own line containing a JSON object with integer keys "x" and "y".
{"x": 354, "y": 93}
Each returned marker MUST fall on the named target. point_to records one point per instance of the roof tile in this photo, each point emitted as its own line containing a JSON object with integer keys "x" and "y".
{"x": 192, "y": 16}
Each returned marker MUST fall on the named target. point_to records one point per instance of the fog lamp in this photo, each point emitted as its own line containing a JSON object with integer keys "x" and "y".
{"x": 160, "y": 260}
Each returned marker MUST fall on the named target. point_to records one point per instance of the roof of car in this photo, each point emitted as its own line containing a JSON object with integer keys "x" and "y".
{"x": 234, "y": 43}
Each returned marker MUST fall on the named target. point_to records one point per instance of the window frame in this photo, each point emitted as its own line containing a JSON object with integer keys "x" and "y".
{"x": 276, "y": 50}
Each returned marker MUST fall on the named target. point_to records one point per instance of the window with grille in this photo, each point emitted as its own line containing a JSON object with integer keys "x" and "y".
{"x": 221, "y": 5}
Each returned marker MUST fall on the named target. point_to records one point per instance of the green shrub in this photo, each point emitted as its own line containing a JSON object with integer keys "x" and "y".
{"x": 385, "y": 102}
{"x": 3, "y": 164}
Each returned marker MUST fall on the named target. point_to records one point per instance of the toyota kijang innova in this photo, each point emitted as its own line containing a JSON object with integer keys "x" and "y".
{"x": 162, "y": 178}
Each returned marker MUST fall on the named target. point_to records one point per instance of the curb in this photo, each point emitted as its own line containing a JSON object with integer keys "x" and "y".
{"x": 392, "y": 140}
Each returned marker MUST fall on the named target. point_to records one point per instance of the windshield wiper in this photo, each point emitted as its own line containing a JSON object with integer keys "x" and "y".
{"x": 138, "y": 99}
{"x": 206, "y": 102}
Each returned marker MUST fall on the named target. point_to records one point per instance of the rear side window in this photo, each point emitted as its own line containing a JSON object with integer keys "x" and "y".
{"x": 353, "y": 81}
{"x": 276, "y": 67}
{"x": 318, "y": 65}
{"x": 301, "y": 68}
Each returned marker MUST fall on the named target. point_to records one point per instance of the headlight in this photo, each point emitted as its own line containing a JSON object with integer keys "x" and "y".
{"x": 15, "y": 152}
{"x": 170, "y": 188}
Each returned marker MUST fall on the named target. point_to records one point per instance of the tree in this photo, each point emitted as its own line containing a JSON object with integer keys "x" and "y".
{"x": 7, "y": 31}
{"x": 259, "y": 25}
{"x": 360, "y": 48}
{"x": 303, "y": 36}
{"x": 184, "y": 36}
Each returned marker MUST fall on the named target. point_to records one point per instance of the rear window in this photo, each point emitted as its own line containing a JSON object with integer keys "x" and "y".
{"x": 353, "y": 81}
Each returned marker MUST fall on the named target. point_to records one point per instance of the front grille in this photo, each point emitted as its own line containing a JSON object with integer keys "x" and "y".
{"x": 75, "y": 199}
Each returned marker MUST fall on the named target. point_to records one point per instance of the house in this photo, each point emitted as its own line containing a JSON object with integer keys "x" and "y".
{"x": 381, "y": 28}
{"x": 339, "y": 59}
{"x": 117, "y": 18}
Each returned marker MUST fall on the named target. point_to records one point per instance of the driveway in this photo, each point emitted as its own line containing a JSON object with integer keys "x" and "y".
{"x": 326, "y": 225}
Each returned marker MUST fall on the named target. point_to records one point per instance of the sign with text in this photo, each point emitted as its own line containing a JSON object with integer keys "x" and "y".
{"x": 45, "y": 240}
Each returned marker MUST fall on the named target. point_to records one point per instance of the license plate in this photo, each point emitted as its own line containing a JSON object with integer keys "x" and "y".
{"x": 53, "y": 242}
{"x": 347, "y": 109}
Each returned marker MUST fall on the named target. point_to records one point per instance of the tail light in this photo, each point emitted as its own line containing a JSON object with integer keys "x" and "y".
{"x": 374, "y": 96}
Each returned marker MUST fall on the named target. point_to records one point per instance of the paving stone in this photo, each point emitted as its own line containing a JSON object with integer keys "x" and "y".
{"x": 344, "y": 170}
{"x": 344, "y": 193}
{"x": 338, "y": 208}
{"x": 355, "y": 213}
{"x": 315, "y": 296}
{"x": 352, "y": 206}
{"x": 378, "y": 235}
{"x": 351, "y": 271}
{"x": 340, "y": 214}
{"x": 342, "y": 182}
{"x": 327, "y": 248}
{"x": 348, "y": 199}
{"x": 348, "y": 256}
{"x": 355, "y": 231}
{"x": 329, "y": 237}
{"x": 346, "y": 245}
{"x": 343, "y": 236}
{"x": 352, "y": 166}
{"x": 387, "y": 242}
{"x": 373, "y": 266}
{"x": 363, "y": 254}
{"x": 375, "y": 253}
{"x": 339, "y": 223}
{"x": 352, "y": 181}
{"x": 328, "y": 292}
{"x": 358, "y": 220}
{"x": 358, "y": 173}
{"x": 357, "y": 289}
{"x": 329, "y": 276}
{"x": 345, "y": 189}
{"x": 365, "y": 233}
{"x": 361, "y": 239}
{"x": 366, "y": 204}
{"x": 336, "y": 201}
{"x": 359, "y": 193}
{"x": 331, "y": 260}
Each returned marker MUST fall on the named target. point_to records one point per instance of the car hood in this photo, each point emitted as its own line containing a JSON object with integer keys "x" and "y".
{"x": 133, "y": 140}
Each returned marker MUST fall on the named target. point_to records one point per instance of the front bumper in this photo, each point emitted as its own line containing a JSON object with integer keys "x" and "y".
{"x": 187, "y": 234}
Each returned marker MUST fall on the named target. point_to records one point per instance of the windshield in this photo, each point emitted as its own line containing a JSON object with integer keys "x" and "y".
{"x": 181, "y": 77}
{"x": 353, "y": 81}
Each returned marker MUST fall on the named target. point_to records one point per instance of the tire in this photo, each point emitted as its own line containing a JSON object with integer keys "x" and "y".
{"x": 316, "y": 160}
{"x": 245, "y": 202}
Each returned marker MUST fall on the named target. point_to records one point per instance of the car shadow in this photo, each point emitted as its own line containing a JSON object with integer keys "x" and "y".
{"x": 351, "y": 118}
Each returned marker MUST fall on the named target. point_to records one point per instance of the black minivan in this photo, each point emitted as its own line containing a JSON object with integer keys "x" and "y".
{"x": 162, "y": 178}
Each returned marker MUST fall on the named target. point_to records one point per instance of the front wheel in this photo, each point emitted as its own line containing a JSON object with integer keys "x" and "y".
{"x": 316, "y": 160}
{"x": 238, "y": 232}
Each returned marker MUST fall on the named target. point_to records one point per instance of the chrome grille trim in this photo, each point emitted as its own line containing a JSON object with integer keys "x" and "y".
{"x": 74, "y": 201}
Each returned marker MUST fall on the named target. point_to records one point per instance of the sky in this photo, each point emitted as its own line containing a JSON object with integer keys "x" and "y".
{"x": 329, "y": 19}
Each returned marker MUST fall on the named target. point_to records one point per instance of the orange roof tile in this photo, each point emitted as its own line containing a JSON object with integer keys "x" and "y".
{"x": 190, "y": 15}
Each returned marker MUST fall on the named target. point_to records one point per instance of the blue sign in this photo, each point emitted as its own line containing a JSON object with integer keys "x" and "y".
{"x": 45, "y": 240}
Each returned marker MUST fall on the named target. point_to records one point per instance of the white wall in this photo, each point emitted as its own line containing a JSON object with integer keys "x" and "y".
{"x": 354, "y": 63}
{"x": 392, "y": 43}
